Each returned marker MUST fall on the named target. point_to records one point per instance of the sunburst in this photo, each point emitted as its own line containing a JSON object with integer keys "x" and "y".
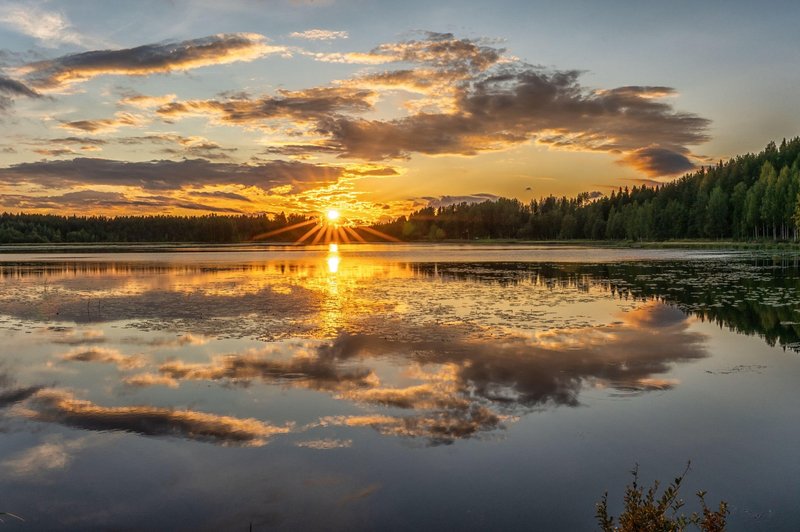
{"x": 329, "y": 228}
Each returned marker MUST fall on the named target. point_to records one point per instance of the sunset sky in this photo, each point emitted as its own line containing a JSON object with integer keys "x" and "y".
{"x": 377, "y": 108}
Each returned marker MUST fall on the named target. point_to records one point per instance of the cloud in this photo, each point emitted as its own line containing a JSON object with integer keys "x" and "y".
{"x": 300, "y": 151}
{"x": 205, "y": 150}
{"x": 148, "y": 59}
{"x": 218, "y": 194}
{"x": 657, "y": 161}
{"x": 436, "y": 49}
{"x": 474, "y": 99}
{"x": 11, "y": 88}
{"x": 81, "y": 141}
{"x": 142, "y": 101}
{"x": 62, "y": 407}
{"x": 54, "y": 152}
{"x": 50, "y": 28}
{"x": 169, "y": 175}
{"x": 471, "y": 98}
{"x": 507, "y": 107}
{"x": 444, "y": 201}
{"x": 319, "y": 35}
{"x": 80, "y": 200}
{"x": 105, "y": 125}
{"x": 59, "y": 147}
{"x": 298, "y": 106}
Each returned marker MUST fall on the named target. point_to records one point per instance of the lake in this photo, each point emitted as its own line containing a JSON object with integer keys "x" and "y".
{"x": 394, "y": 387}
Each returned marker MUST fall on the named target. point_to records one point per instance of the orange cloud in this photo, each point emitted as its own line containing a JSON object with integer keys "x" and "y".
{"x": 217, "y": 49}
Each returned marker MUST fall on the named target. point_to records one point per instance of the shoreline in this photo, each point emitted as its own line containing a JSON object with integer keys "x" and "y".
{"x": 191, "y": 247}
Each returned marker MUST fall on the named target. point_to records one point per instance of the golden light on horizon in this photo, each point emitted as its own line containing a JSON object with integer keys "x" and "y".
{"x": 328, "y": 228}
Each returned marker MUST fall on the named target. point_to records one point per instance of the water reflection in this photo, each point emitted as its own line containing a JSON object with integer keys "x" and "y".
{"x": 440, "y": 358}
{"x": 455, "y": 384}
{"x": 336, "y": 378}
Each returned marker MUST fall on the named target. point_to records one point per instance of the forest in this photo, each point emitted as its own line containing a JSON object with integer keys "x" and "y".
{"x": 749, "y": 197}
{"x": 48, "y": 228}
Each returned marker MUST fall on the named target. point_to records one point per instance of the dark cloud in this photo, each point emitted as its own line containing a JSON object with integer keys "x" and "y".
{"x": 167, "y": 175}
{"x": 205, "y": 150}
{"x": 476, "y": 100}
{"x": 148, "y": 59}
{"x": 300, "y": 150}
{"x": 659, "y": 161}
{"x": 54, "y": 152}
{"x": 81, "y": 141}
{"x": 11, "y": 88}
{"x": 439, "y": 50}
{"x": 443, "y": 201}
{"x": 514, "y": 105}
{"x": 299, "y": 106}
{"x": 105, "y": 125}
{"x": 222, "y": 195}
{"x": 57, "y": 406}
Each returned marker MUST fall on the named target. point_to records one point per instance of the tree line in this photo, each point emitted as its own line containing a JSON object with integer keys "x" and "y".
{"x": 753, "y": 196}
{"x": 47, "y": 228}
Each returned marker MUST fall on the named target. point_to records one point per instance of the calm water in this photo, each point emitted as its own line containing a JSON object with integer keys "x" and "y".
{"x": 394, "y": 387}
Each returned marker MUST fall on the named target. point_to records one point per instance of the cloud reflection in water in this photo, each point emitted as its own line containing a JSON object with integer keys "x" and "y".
{"x": 463, "y": 385}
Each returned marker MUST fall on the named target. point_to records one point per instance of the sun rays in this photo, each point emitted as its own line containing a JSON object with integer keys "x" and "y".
{"x": 330, "y": 228}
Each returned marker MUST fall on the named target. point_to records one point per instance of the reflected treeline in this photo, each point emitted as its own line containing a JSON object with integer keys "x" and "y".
{"x": 754, "y": 296}
{"x": 21, "y": 270}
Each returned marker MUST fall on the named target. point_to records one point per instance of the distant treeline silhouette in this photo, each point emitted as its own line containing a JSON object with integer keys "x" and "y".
{"x": 47, "y": 228}
{"x": 753, "y": 196}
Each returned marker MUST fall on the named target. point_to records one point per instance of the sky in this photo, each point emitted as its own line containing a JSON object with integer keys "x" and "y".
{"x": 377, "y": 108}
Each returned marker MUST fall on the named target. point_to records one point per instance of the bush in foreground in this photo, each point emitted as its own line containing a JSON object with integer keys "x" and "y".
{"x": 646, "y": 511}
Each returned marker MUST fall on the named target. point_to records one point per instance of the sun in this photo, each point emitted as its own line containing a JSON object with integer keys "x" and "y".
{"x": 328, "y": 227}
